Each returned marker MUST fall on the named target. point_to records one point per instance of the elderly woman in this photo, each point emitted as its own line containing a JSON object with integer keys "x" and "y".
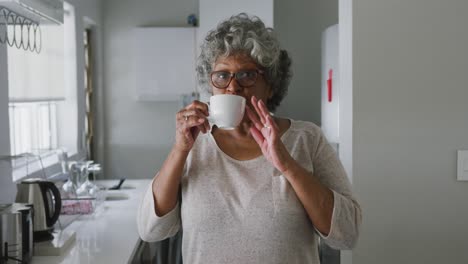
{"x": 263, "y": 192}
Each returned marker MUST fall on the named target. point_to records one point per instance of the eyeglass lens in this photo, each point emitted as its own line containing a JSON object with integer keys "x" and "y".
{"x": 221, "y": 79}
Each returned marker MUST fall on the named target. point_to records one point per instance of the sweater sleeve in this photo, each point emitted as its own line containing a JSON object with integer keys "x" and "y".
{"x": 346, "y": 217}
{"x": 151, "y": 227}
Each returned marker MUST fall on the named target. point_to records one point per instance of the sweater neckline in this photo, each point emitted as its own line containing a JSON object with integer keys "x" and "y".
{"x": 259, "y": 158}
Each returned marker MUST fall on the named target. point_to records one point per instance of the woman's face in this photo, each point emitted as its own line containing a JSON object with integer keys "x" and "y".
{"x": 242, "y": 62}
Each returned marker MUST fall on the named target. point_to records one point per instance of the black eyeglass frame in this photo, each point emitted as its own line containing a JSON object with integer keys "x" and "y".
{"x": 235, "y": 74}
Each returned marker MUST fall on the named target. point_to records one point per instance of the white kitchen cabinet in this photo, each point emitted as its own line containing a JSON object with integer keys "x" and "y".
{"x": 164, "y": 62}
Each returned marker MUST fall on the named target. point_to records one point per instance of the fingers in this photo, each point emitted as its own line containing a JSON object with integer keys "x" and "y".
{"x": 188, "y": 118}
{"x": 255, "y": 104}
{"x": 262, "y": 120}
{"x": 184, "y": 114}
{"x": 257, "y": 135}
{"x": 271, "y": 127}
{"x": 198, "y": 105}
{"x": 254, "y": 118}
{"x": 263, "y": 109}
{"x": 192, "y": 121}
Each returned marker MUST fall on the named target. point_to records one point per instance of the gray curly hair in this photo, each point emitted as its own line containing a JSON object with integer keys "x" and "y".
{"x": 244, "y": 34}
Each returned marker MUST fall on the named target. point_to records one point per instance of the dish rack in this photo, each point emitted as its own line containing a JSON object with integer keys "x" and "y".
{"x": 81, "y": 205}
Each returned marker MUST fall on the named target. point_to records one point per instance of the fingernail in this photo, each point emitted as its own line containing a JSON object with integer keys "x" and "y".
{"x": 201, "y": 120}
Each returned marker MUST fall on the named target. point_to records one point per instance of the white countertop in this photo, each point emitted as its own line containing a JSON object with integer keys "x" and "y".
{"x": 107, "y": 236}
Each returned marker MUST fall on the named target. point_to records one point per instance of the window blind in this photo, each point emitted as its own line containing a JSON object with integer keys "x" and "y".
{"x": 38, "y": 77}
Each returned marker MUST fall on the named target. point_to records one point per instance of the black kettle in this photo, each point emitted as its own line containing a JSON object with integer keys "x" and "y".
{"x": 47, "y": 203}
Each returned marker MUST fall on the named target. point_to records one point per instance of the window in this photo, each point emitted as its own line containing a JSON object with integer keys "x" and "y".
{"x": 33, "y": 127}
{"x": 42, "y": 95}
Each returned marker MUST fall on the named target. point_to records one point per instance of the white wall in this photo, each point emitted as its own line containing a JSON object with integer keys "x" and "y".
{"x": 410, "y": 92}
{"x": 139, "y": 135}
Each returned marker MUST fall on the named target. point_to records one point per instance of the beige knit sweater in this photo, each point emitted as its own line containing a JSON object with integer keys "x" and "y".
{"x": 246, "y": 212}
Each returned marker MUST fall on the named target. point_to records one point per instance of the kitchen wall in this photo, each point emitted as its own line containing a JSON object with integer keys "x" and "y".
{"x": 86, "y": 12}
{"x": 139, "y": 135}
{"x": 410, "y": 117}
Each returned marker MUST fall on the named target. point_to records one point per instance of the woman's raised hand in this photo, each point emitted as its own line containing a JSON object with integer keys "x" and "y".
{"x": 266, "y": 133}
{"x": 190, "y": 121}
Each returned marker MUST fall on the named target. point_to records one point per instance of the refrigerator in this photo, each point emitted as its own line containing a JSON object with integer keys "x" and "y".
{"x": 330, "y": 86}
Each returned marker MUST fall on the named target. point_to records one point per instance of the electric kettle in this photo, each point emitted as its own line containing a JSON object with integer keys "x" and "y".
{"x": 47, "y": 202}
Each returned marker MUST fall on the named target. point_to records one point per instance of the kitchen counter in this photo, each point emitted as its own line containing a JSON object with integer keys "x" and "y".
{"x": 109, "y": 235}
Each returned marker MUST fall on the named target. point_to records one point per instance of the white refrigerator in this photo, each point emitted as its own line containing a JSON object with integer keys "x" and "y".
{"x": 330, "y": 77}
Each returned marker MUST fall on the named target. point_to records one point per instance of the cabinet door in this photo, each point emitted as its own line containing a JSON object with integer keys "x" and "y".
{"x": 164, "y": 63}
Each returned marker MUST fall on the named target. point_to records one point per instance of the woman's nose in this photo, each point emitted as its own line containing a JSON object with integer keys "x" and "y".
{"x": 233, "y": 87}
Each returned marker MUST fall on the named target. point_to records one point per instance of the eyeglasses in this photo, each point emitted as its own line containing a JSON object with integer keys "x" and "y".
{"x": 222, "y": 79}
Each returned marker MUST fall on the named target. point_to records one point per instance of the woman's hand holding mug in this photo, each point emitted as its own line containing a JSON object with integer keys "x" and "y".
{"x": 189, "y": 122}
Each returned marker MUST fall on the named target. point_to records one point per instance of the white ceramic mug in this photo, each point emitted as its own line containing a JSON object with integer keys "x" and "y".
{"x": 226, "y": 110}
